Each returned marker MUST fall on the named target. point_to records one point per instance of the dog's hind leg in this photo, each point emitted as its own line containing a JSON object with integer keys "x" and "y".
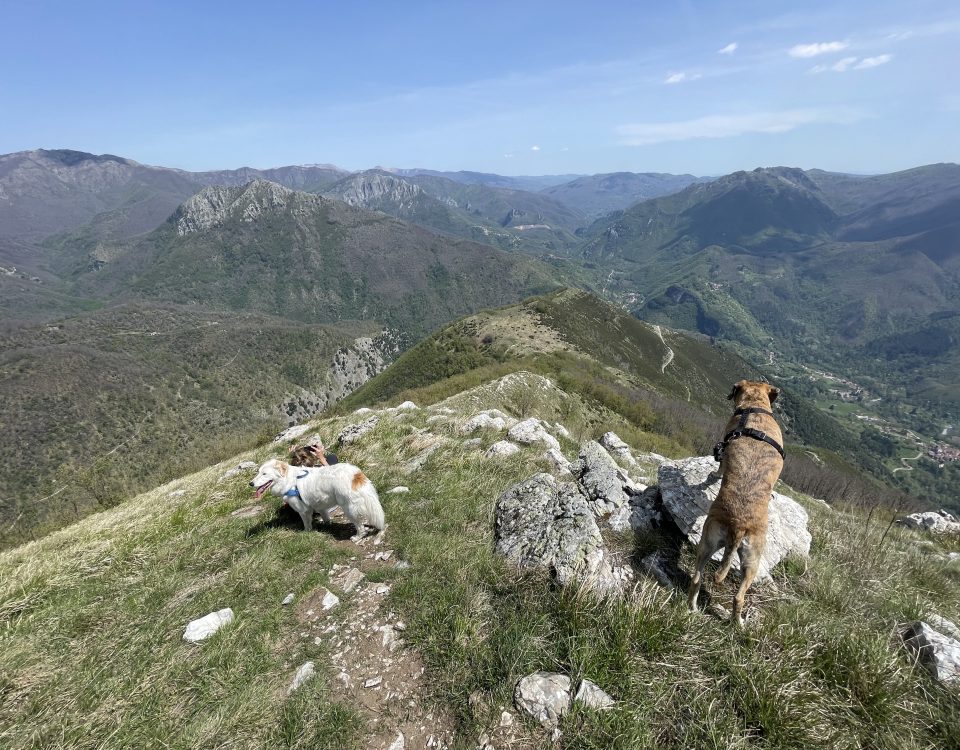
{"x": 714, "y": 537}
{"x": 727, "y": 562}
{"x": 750, "y": 551}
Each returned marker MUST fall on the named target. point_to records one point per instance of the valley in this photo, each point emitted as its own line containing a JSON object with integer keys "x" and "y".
{"x": 134, "y": 286}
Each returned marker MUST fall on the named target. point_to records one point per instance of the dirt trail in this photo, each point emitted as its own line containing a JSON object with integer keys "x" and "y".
{"x": 668, "y": 357}
{"x": 375, "y": 671}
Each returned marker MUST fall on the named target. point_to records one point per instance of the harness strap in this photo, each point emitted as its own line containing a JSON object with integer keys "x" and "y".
{"x": 294, "y": 492}
{"x": 741, "y": 430}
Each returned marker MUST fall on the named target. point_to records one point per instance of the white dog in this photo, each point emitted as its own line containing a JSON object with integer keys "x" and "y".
{"x": 320, "y": 489}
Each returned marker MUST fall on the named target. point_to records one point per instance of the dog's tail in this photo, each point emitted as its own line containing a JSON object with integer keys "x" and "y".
{"x": 368, "y": 501}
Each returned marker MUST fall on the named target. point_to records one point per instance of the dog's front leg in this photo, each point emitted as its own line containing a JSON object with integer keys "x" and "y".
{"x": 304, "y": 511}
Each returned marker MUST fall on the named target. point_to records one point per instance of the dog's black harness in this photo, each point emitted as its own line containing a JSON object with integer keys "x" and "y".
{"x": 741, "y": 430}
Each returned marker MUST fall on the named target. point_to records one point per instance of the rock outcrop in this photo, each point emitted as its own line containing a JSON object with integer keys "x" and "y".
{"x": 545, "y": 696}
{"x": 543, "y": 523}
{"x": 938, "y": 652}
{"x": 936, "y": 522}
{"x": 687, "y": 489}
{"x": 353, "y": 432}
{"x": 531, "y": 431}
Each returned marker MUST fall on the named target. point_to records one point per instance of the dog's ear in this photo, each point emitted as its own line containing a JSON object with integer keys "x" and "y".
{"x": 282, "y": 468}
{"x": 773, "y": 393}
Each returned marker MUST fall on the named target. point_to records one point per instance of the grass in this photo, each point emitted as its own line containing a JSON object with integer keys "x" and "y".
{"x": 91, "y": 619}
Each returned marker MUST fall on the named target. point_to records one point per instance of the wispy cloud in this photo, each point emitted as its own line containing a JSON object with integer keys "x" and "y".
{"x": 847, "y": 63}
{"x": 729, "y": 49}
{"x": 817, "y": 48}
{"x": 727, "y": 126}
{"x": 534, "y": 148}
{"x": 873, "y": 62}
{"x": 681, "y": 77}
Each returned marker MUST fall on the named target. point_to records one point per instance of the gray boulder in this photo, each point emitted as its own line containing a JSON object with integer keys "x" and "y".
{"x": 543, "y": 523}
{"x": 939, "y": 653}
{"x": 687, "y": 489}
{"x": 483, "y": 421}
{"x": 531, "y": 431}
{"x": 612, "y": 442}
{"x": 641, "y": 513}
{"x": 353, "y": 432}
{"x": 291, "y": 433}
{"x": 545, "y": 696}
{"x": 502, "y": 448}
{"x": 607, "y": 485}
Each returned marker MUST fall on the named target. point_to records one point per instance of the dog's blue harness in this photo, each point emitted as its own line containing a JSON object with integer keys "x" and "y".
{"x": 294, "y": 492}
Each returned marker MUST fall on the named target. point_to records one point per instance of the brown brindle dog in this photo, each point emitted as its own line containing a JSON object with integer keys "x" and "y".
{"x": 751, "y": 458}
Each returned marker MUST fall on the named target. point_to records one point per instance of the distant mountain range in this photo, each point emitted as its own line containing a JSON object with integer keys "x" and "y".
{"x": 845, "y": 288}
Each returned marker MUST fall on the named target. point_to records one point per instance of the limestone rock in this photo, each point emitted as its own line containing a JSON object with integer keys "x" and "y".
{"x": 936, "y": 522}
{"x": 353, "y": 432}
{"x": 399, "y": 743}
{"x": 531, "y": 431}
{"x": 502, "y": 448}
{"x": 689, "y": 486}
{"x": 545, "y": 696}
{"x": 593, "y": 696}
{"x": 304, "y": 673}
{"x": 641, "y": 513}
{"x": 203, "y": 627}
{"x": 399, "y": 490}
{"x": 484, "y": 420}
{"x": 288, "y": 599}
{"x": 416, "y": 463}
{"x": 543, "y": 523}
{"x": 291, "y": 433}
{"x": 939, "y": 653}
{"x": 601, "y": 479}
{"x": 559, "y": 461}
{"x": 612, "y": 442}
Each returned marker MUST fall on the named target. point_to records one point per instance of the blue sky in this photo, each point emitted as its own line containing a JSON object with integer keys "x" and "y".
{"x": 523, "y": 87}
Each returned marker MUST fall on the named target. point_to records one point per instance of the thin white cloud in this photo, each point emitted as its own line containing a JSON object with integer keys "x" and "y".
{"x": 534, "y": 148}
{"x": 873, "y": 62}
{"x": 847, "y": 63}
{"x": 817, "y": 48}
{"x": 508, "y": 156}
{"x": 841, "y": 65}
{"x": 681, "y": 77}
{"x": 728, "y": 126}
{"x": 729, "y": 49}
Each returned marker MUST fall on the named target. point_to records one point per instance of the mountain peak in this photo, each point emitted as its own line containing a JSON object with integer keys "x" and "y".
{"x": 213, "y": 205}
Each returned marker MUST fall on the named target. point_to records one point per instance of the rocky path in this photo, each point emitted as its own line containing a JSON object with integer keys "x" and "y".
{"x": 377, "y": 673}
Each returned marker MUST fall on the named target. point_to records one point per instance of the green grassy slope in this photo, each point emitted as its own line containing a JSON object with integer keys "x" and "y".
{"x": 92, "y": 620}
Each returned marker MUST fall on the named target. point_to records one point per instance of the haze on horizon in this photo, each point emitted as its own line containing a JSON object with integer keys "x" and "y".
{"x": 512, "y": 88}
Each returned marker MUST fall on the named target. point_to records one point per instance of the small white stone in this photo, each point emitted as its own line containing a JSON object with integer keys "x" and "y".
{"x": 506, "y": 719}
{"x": 398, "y": 490}
{"x": 383, "y": 589}
{"x": 399, "y": 743}
{"x": 203, "y": 627}
{"x": 329, "y": 601}
{"x": 304, "y": 673}
{"x": 372, "y": 682}
{"x": 288, "y": 599}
